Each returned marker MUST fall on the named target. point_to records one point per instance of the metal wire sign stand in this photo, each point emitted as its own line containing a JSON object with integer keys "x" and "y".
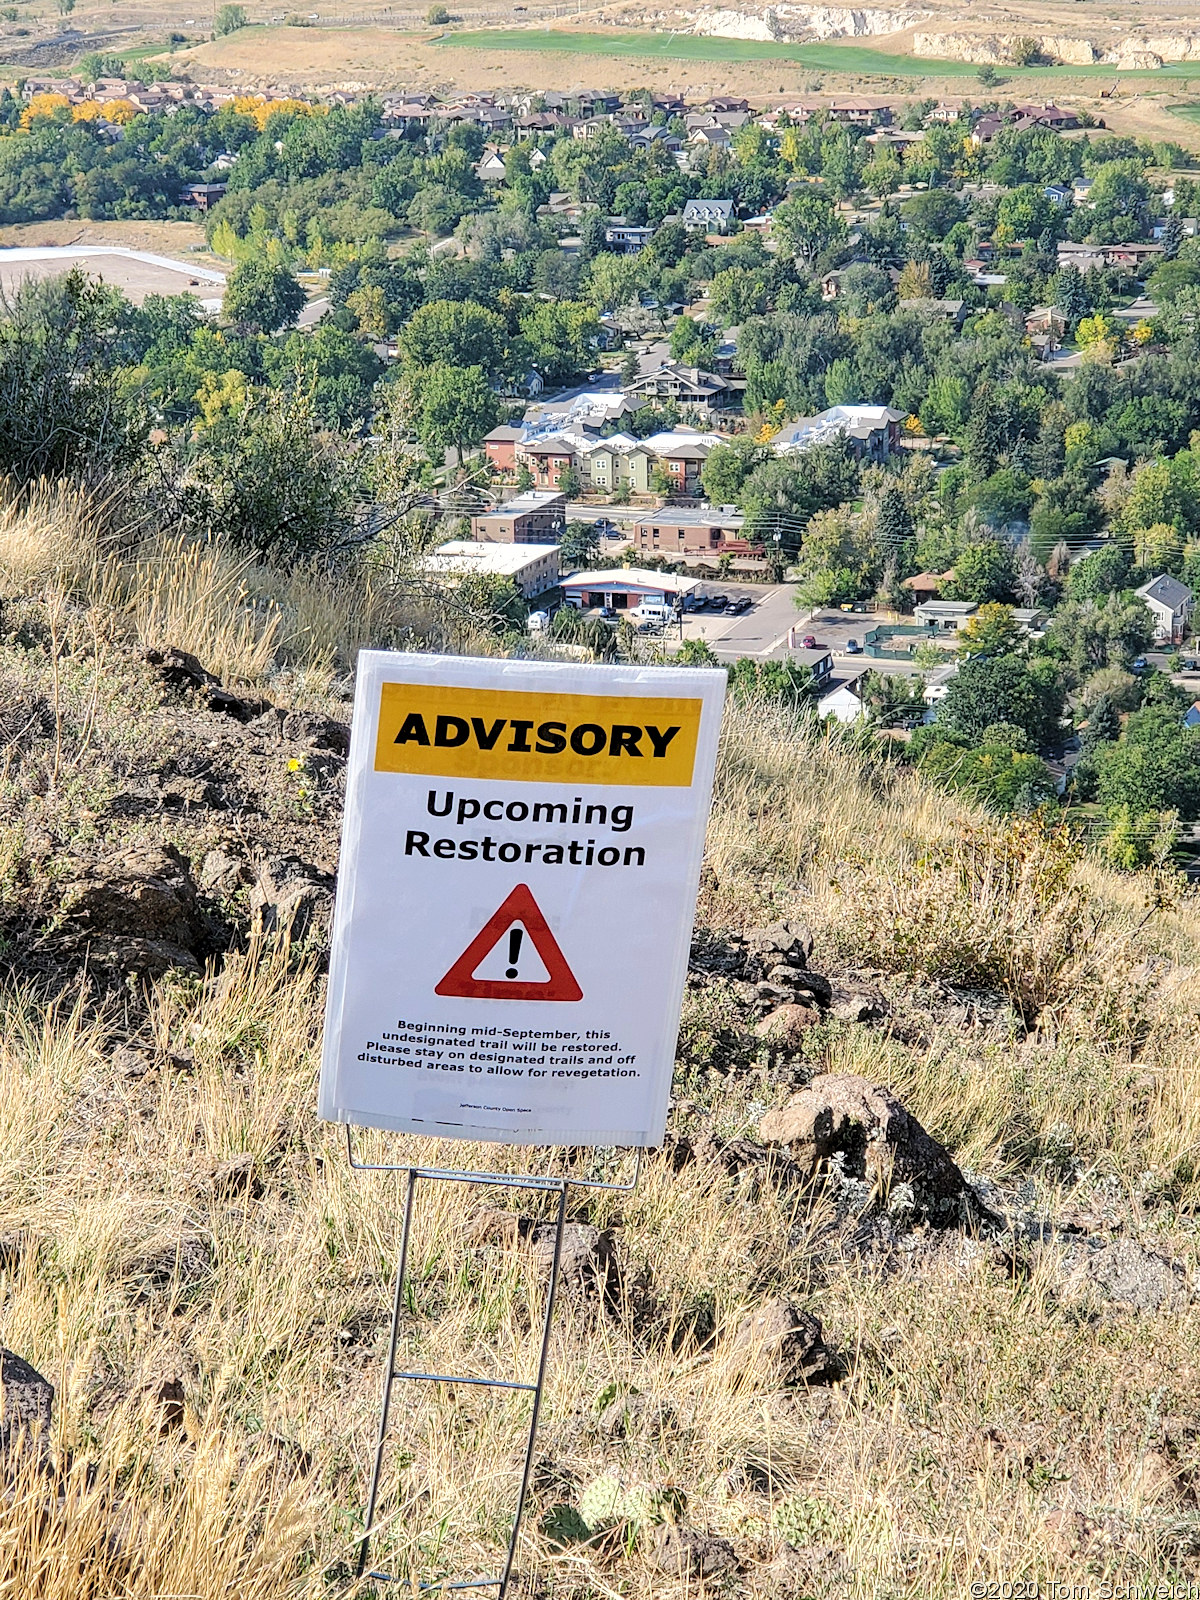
{"x": 559, "y": 1186}
{"x": 521, "y": 852}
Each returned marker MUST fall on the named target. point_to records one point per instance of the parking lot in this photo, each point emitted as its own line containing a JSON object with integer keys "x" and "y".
{"x": 755, "y": 631}
{"x": 833, "y": 630}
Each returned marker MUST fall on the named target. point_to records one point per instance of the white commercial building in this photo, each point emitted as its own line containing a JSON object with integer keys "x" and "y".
{"x": 947, "y": 616}
{"x": 533, "y": 568}
{"x": 622, "y": 588}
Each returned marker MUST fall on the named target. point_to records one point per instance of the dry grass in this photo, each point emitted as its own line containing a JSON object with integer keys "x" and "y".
{"x": 244, "y": 621}
{"x": 992, "y": 1422}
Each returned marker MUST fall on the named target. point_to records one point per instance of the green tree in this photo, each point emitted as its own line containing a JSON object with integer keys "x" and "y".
{"x": 229, "y": 19}
{"x": 994, "y": 775}
{"x": 262, "y": 294}
{"x": 984, "y": 436}
{"x": 436, "y": 208}
{"x": 1098, "y": 574}
{"x": 455, "y": 333}
{"x": 894, "y": 524}
{"x": 570, "y": 483}
{"x": 984, "y": 571}
{"x": 1090, "y": 635}
{"x": 781, "y": 681}
{"x": 737, "y": 293}
{"x": 560, "y": 337}
{"x": 1103, "y": 724}
{"x": 64, "y": 407}
{"x": 437, "y": 16}
{"x": 1135, "y": 841}
{"x": 728, "y": 466}
{"x": 451, "y": 407}
{"x": 580, "y": 543}
{"x": 1069, "y": 295}
{"x": 1155, "y": 767}
{"x": 271, "y": 480}
{"x": 989, "y": 689}
{"x": 837, "y": 560}
{"x": 95, "y": 64}
{"x": 696, "y": 653}
{"x": 615, "y": 281}
{"x": 809, "y": 225}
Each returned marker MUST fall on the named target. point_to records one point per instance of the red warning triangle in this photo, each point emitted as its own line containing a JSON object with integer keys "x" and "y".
{"x": 521, "y": 907}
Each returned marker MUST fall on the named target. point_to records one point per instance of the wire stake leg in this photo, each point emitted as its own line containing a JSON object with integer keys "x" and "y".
{"x": 551, "y": 1291}
{"x": 385, "y": 1404}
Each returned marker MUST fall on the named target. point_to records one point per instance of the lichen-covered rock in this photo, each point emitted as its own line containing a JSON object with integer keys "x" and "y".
{"x": 845, "y": 1126}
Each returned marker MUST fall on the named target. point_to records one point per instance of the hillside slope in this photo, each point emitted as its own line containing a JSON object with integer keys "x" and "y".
{"x": 998, "y": 1383}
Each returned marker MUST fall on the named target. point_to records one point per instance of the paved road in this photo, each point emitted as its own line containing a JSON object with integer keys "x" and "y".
{"x": 313, "y": 312}
{"x": 761, "y": 631}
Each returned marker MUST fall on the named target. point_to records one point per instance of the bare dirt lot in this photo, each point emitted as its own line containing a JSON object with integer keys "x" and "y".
{"x": 162, "y": 238}
{"x": 136, "y": 274}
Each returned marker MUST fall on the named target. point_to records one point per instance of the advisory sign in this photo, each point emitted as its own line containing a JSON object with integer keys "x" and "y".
{"x": 520, "y": 856}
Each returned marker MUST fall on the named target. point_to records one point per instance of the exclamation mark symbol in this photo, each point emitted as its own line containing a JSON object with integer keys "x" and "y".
{"x": 514, "y": 950}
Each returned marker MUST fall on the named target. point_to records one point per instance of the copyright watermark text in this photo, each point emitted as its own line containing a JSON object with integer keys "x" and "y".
{"x": 1084, "y": 1589}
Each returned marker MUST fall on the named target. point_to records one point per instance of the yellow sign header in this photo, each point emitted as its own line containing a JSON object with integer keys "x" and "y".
{"x": 451, "y": 732}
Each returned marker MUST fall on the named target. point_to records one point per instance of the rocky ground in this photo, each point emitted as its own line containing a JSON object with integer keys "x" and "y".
{"x": 906, "y": 1300}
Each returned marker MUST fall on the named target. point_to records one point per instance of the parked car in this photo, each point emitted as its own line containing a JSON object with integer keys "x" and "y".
{"x": 742, "y": 603}
{"x": 853, "y": 648}
{"x": 1141, "y": 664}
{"x": 808, "y": 642}
{"x": 718, "y": 601}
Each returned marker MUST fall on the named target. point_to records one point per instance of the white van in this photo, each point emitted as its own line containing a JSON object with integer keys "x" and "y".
{"x": 653, "y": 611}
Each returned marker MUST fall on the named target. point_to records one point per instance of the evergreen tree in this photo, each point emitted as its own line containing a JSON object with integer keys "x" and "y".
{"x": 1103, "y": 724}
{"x": 1045, "y": 242}
{"x": 940, "y": 273}
{"x": 1050, "y": 451}
{"x": 984, "y": 435}
{"x": 1069, "y": 294}
{"x": 1021, "y": 458}
{"x": 1172, "y": 236}
{"x": 894, "y": 525}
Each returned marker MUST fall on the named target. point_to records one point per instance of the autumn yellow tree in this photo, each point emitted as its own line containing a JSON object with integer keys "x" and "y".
{"x": 43, "y": 105}
{"x": 260, "y": 110}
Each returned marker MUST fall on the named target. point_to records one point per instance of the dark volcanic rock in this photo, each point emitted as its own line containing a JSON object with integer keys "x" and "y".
{"x": 28, "y": 1404}
{"x": 291, "y": 896}
{"x": 688, "y": 1553}
{"x": 588, "y": 1266}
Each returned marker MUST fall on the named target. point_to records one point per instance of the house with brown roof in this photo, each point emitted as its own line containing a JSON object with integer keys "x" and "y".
{"x": 689, "y": 386}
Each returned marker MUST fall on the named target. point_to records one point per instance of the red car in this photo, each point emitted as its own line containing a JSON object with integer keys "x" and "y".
{"x": 808, "y": 642}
